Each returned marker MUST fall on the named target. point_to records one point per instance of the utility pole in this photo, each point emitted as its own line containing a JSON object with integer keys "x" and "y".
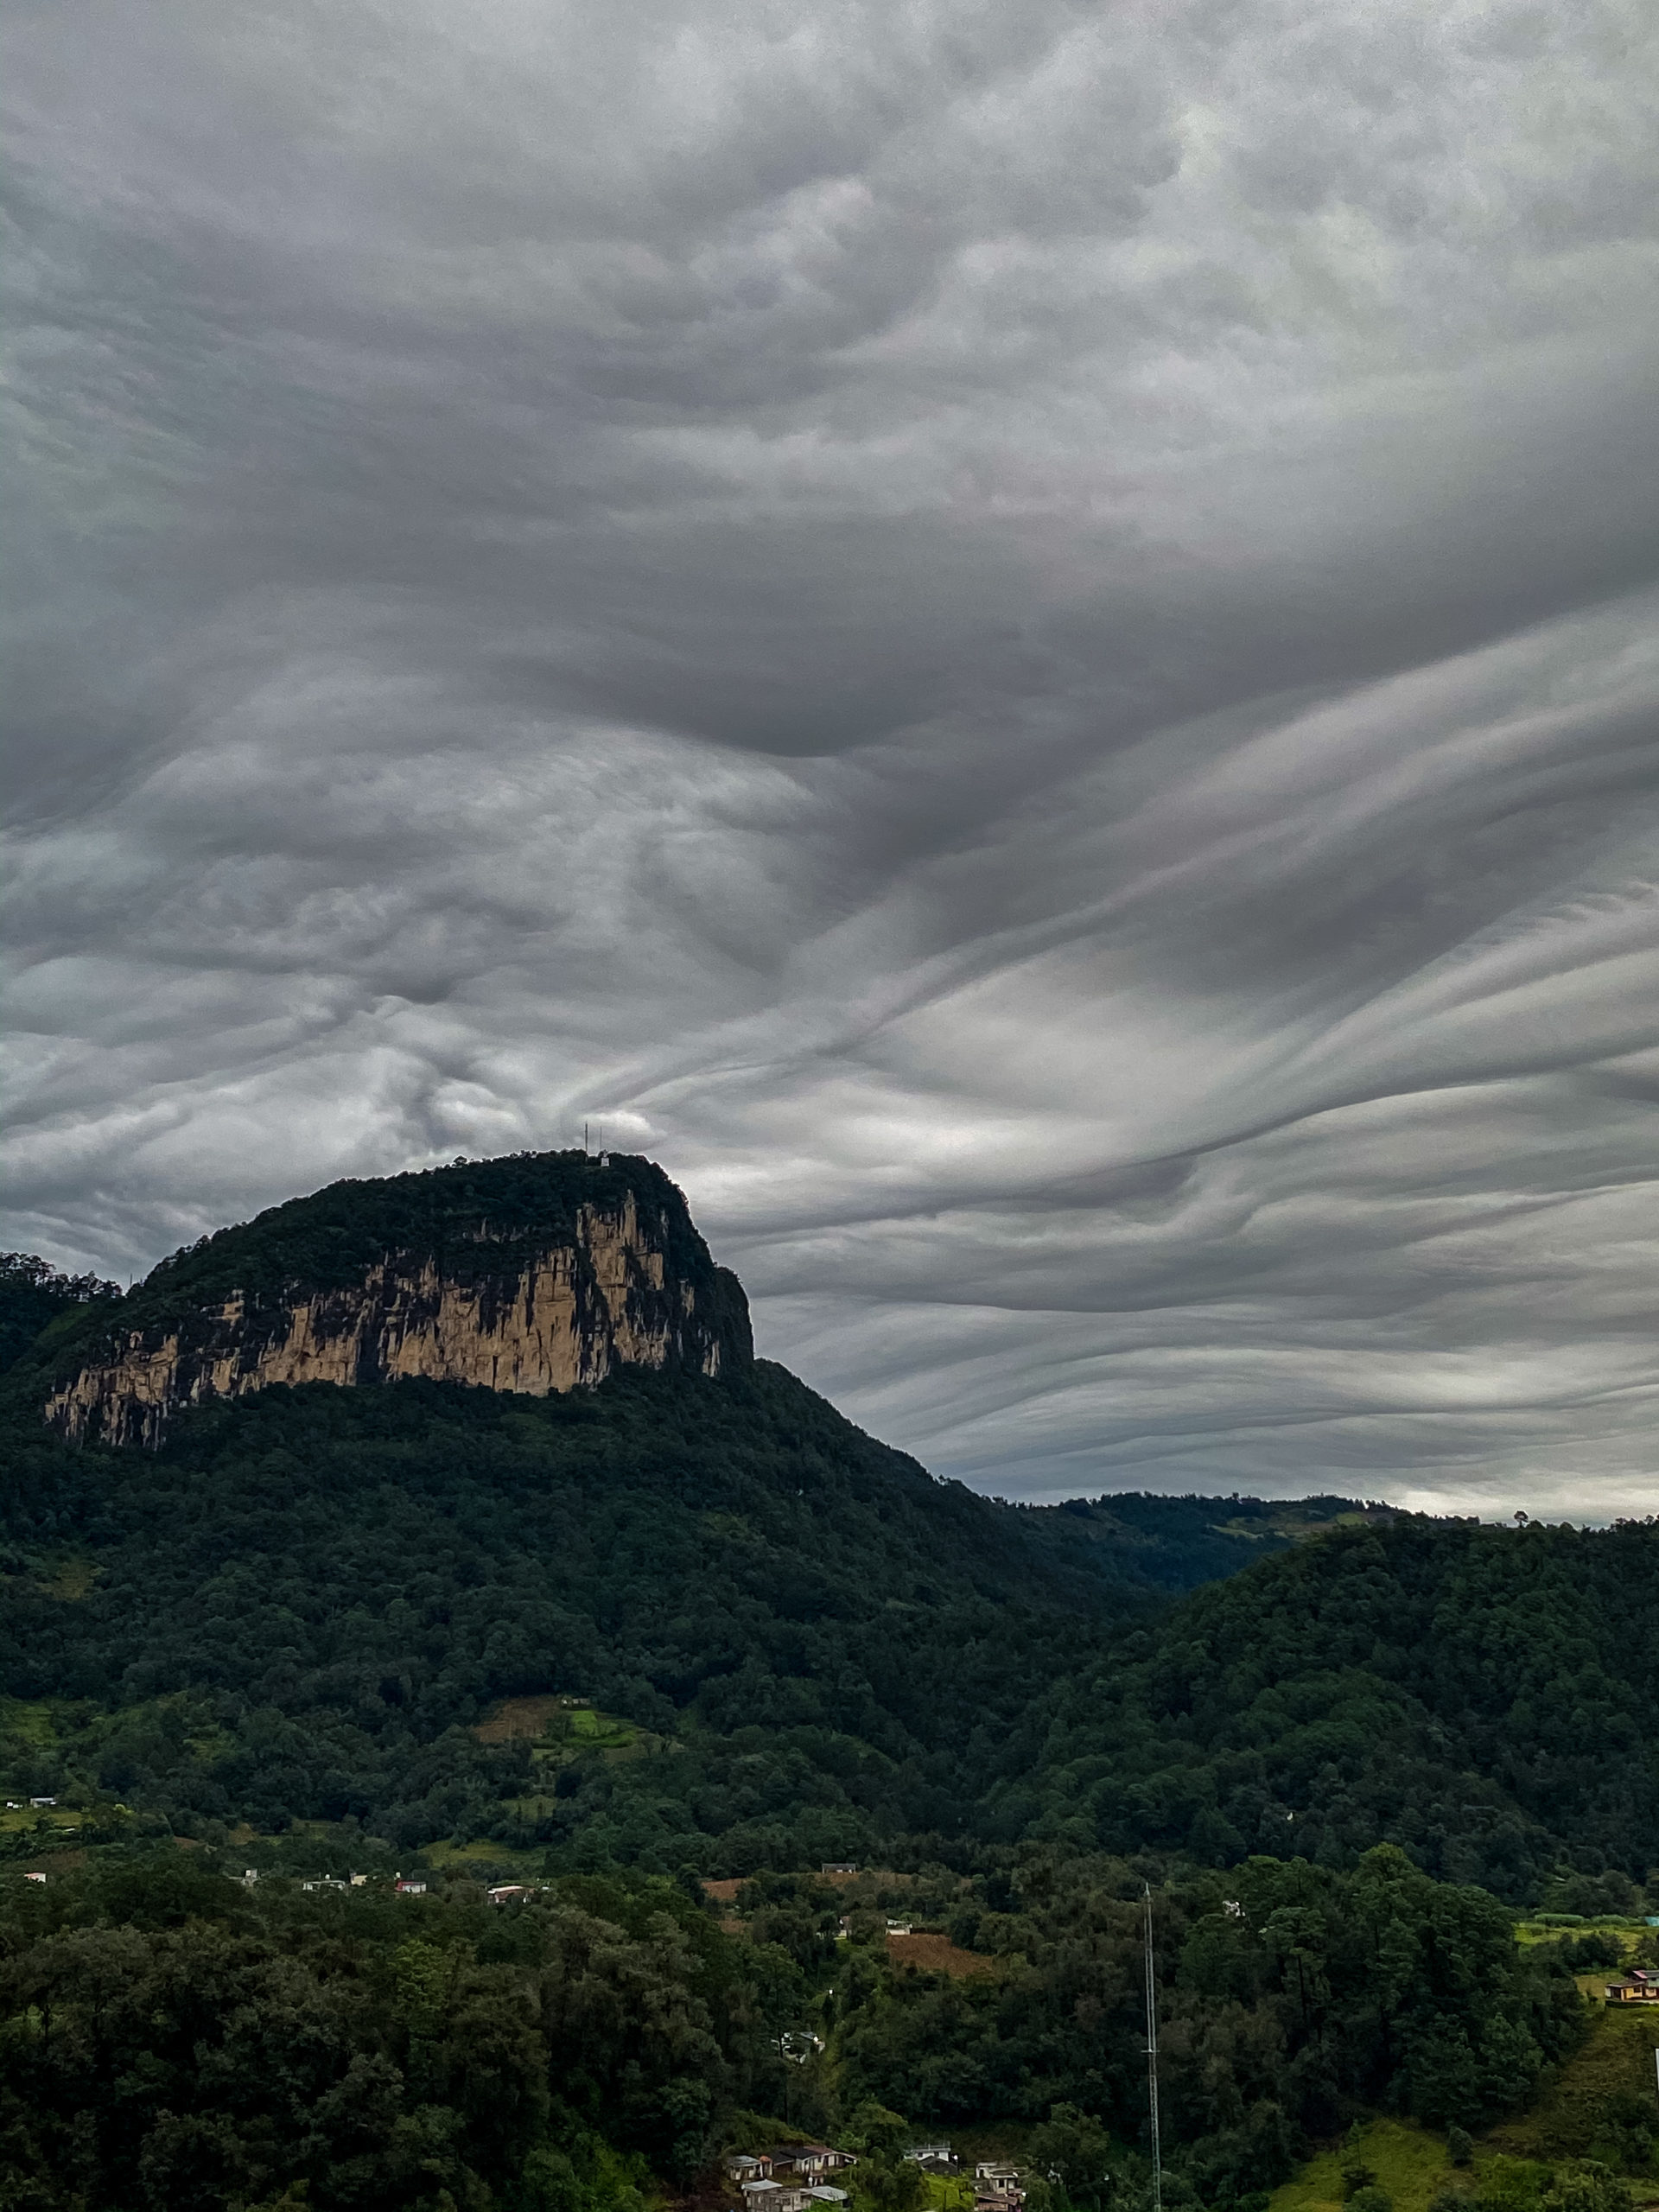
{"x": 1152, "y": 2064}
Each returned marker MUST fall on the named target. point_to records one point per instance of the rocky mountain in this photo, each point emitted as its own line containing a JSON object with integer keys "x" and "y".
{"x": 532, "y": 1275}
{"x": 618, "y": 1641}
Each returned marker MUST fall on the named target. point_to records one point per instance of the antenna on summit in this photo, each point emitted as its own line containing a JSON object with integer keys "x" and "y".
{"x": 584, "y": 1136}
{"x": 1152, "y": 2065}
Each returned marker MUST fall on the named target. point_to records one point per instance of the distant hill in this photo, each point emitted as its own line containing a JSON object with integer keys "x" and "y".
{"x": 1177, "y": 1543}
{"x": 1485, "y": 1697}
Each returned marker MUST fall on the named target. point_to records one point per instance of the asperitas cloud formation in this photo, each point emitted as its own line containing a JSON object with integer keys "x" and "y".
{"x": 1021, "y": 638}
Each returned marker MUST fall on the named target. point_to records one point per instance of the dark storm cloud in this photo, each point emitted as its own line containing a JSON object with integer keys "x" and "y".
{"x": 1022, "y": 638}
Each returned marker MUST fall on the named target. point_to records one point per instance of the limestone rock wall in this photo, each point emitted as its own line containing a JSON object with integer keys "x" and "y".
{"x": 570, "y": 1315}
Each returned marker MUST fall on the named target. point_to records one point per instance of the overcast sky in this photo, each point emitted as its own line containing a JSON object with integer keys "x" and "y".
{"x": 1021, "y": 638}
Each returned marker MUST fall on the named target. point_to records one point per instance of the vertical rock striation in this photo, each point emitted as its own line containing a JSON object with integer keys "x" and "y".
{"x": 459, "y": 1281}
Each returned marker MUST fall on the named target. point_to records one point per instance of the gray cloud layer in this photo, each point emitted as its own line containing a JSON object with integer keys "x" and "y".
{"x": 1022, "y": 638}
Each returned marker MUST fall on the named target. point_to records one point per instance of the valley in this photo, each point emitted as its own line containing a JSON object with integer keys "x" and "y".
{"x": 670, "y": 1659}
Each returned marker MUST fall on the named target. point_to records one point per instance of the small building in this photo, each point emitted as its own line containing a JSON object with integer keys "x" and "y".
{"x": 933, "y": 2157}
{"x": 811, "y": 2161}
{"x": 34, "y": 1878}
{"x": 742, "y": 2166}
{"x": 358, "y": 1881}
{"x": 838, "y": 1866}
{"x": 898, "y": 1927}
{"x": 511, "y": 1893}
{"x": 998, "y": 2186}
{"x": 323, "y": 1882}
{"x": 410, "y": 1889}
{"x": 772, "y": 2197}
{"x": 41, "y": 1803}
{"x": 822, "y": 2194}
{"x": 1637, "y": 1988}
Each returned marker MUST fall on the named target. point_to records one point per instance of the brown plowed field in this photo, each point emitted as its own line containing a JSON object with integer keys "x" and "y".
{"x": 937, "y": 1954}
{"x": 518, "y": 1719}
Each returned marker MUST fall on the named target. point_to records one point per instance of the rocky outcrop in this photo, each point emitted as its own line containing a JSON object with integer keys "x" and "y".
{"x": 547, "y": 1319}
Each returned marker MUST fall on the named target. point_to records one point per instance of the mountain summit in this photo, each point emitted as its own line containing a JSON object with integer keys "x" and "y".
{"x": 534, "y": 1273}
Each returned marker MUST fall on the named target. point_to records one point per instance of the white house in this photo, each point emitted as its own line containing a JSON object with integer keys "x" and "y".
{"x": 812, "y": 2161}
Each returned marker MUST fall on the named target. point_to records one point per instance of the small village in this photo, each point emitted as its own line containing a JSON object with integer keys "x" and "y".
{"x": 795, "y": 2177}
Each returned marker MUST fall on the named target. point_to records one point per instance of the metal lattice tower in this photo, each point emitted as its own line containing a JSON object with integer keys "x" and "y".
{"x": 1152, "y": 2064}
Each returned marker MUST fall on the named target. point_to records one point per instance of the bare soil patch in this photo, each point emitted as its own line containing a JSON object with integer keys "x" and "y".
{"x": 519, "y": 1720}
{"x": 937, "y": 1955}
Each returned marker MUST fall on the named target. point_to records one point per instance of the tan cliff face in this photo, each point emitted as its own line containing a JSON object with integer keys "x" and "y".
{"x": 567, "y": 1316}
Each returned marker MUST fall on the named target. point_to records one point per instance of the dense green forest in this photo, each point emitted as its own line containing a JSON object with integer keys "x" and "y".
{"x": 1293, "y": 1996}
{"x": 34, "y": 1296}
{"x": 302, "y": 1606}
{"x": 1483, "y": 1697}
{"x": 169, "y": 2038}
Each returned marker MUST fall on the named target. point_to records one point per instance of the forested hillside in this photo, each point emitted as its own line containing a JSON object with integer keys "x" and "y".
{"x": 1484, "y": 1697}
{"x": 301, "y": 1607}
{"x": 174, "y": 2040}
{"x": 304, "y": 1604}
{"x": 34, "y": 1296}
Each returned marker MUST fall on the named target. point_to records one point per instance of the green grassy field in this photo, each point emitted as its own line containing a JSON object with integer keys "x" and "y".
{"x": 30, "y": 1720}
{"x": 448, "y": 1858}
{"x": 1627, "y": 1930}
{"x": 1409, "y": 2162}
{"x": 599, "y": 1731}
{"x": 53, "y": 1817}
{"x": 1617, "y": 2059}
